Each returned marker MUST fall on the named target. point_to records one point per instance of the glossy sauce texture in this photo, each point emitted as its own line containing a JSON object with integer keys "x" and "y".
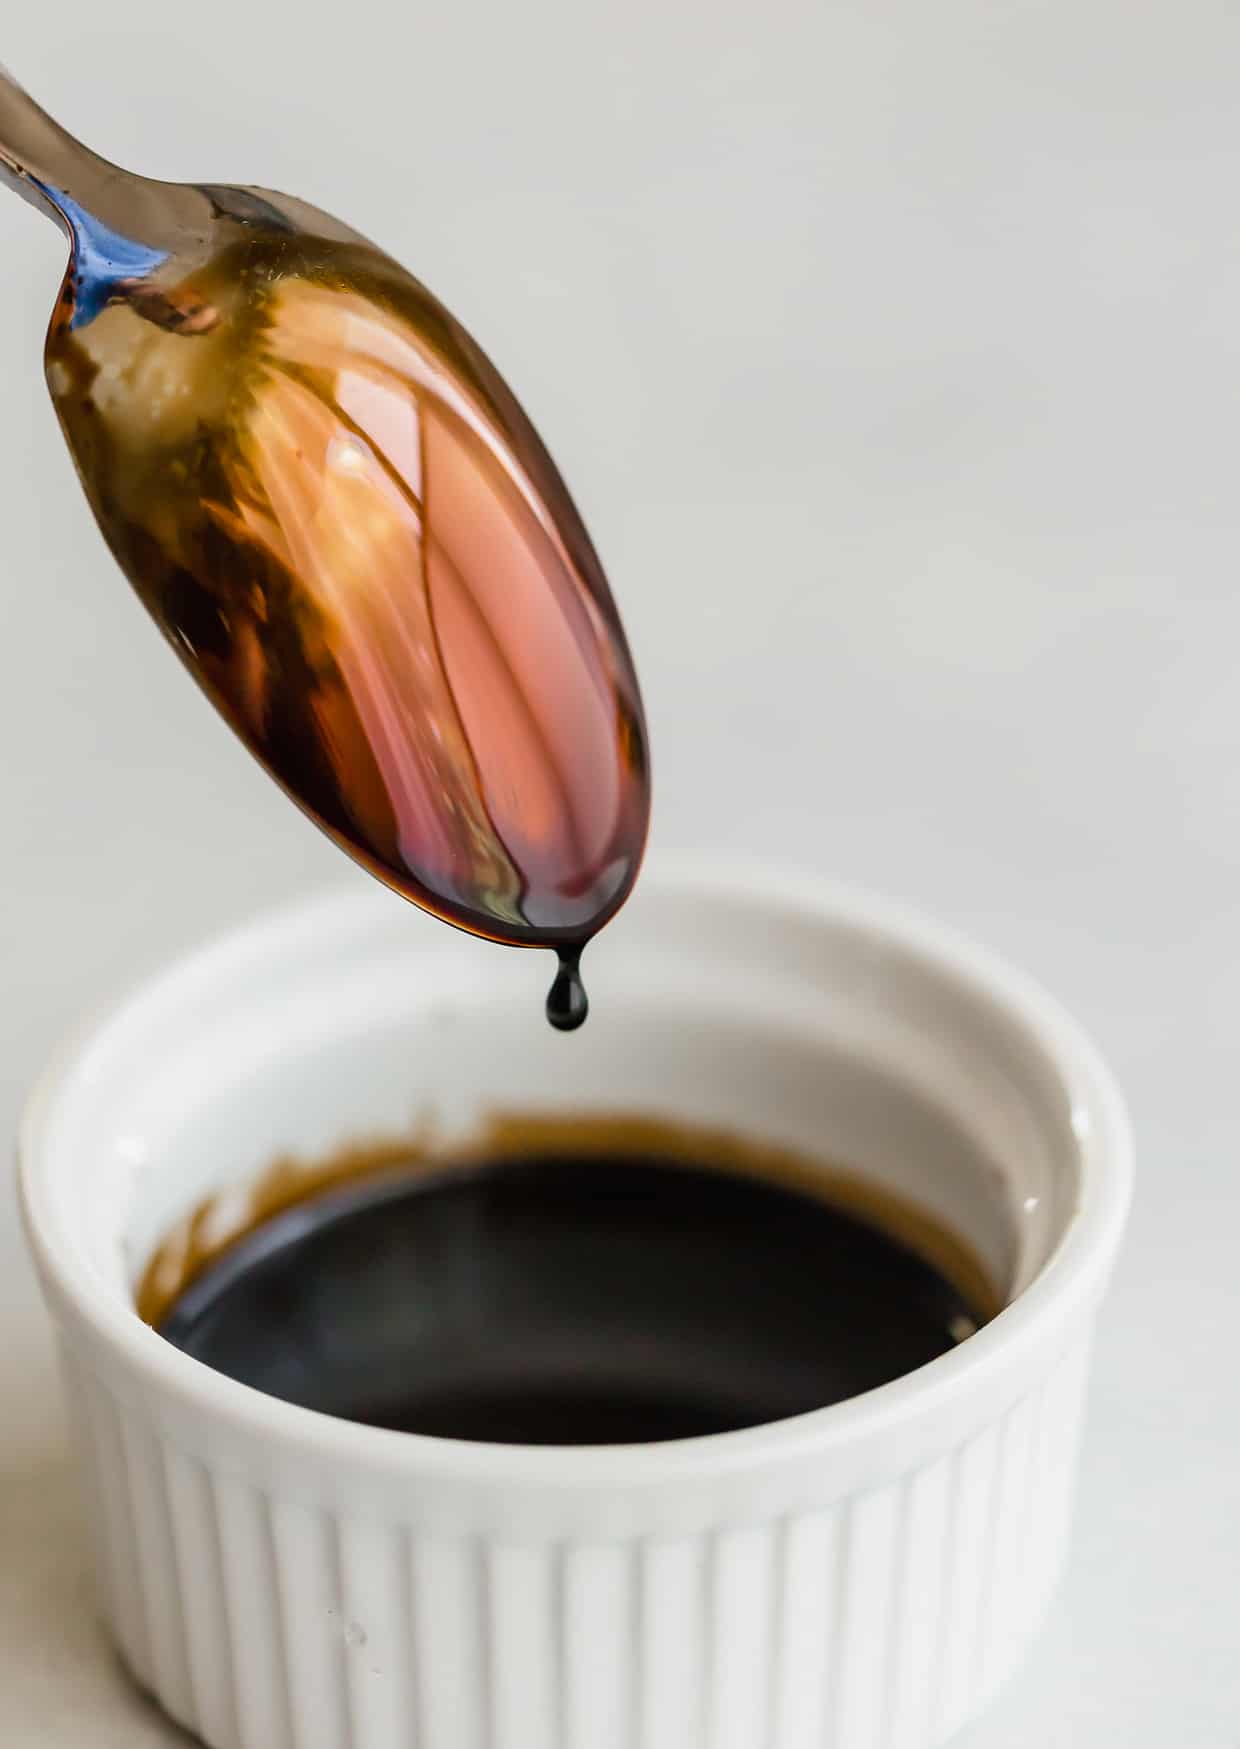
{"x": 570, "y": 1279}
{"x": 342, "y": 520}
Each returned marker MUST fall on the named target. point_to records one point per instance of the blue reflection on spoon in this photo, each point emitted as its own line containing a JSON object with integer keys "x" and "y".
{"x": 103, "y": 260}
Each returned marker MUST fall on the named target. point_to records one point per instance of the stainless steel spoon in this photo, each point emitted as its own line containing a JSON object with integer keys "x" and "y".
{"x": 351, "y": 534}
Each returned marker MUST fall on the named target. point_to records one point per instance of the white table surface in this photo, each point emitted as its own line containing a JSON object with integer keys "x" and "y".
{"x": 892, "y": 354}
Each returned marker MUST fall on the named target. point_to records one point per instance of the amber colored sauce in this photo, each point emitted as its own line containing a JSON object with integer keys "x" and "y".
{"x": 221, "y": 1220}
{"x": 565, "y": 1280}
{"x": 351, "y": 534}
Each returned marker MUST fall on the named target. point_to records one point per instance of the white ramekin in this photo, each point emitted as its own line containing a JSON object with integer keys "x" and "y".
{"x": 859, "y": 1577}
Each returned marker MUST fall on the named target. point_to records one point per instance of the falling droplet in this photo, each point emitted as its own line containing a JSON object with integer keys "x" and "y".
{"x": 567, "y": 1002}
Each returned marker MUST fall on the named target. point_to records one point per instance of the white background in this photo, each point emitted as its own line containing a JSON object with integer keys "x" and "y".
{"x": 893, "y": 354}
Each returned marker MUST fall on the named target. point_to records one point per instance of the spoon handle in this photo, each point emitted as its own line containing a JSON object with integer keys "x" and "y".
{"x": 116, "y": 221}
{"x": 43, "y": 163}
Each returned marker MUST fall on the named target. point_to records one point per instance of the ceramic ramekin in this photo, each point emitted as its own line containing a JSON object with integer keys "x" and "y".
{"x": 858, "y": 1577}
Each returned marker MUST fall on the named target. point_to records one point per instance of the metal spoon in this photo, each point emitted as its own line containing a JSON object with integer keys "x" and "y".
{"x": 353, "y": 537}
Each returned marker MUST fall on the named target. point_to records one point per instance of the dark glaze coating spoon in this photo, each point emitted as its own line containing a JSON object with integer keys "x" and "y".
{"x": 351, "y": 534}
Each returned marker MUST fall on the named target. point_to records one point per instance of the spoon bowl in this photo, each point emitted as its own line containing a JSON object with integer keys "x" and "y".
{"x": 349, "y": 531}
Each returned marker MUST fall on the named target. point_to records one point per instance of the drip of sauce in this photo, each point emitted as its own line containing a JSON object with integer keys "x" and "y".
{"x": 567, "y": 1002}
